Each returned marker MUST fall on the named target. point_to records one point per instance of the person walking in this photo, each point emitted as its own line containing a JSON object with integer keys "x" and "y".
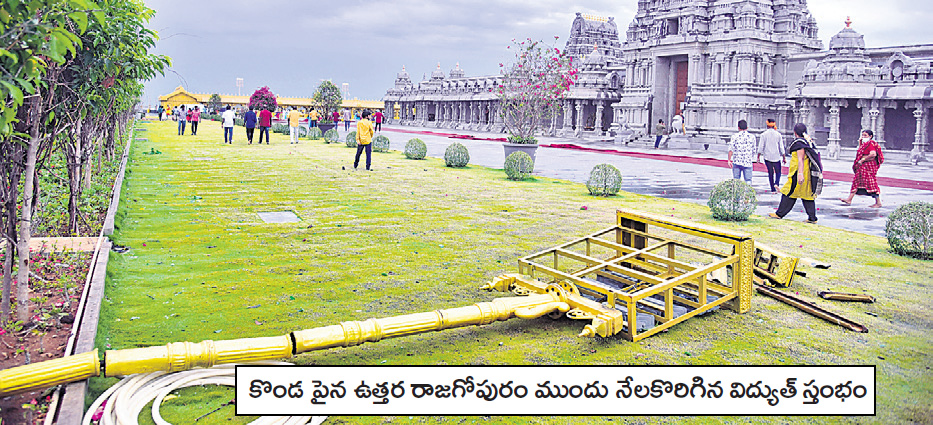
{"x": 161, "y": 113}
{"x": 180, "y": 117}
{"x": 868, "y": 159}
{"x": 312, "y": 118}
{"x": 660, "y": 130}
{"x": 804, "y": 176}
{"x": 364, "y": 139}
{"x": 249, "y": 121}
{"x": 227, "y": 121}
{"x": 741, "y": 150}
{"x": 293, "y": 118}
{"x": 379, "y": 119}
{"x": 336, "y": 117}
{"x": 195, "y": 119}
{"x": 347, "y": 117}
{"x": 265, "y": 121}
{"x": 772, "y": 147}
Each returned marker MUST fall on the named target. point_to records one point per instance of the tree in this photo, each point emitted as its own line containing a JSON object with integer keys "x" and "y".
{"x": 35, "y": 36}
{"x": 328, "y": 99}
{"x": 101, "y": 85}
{"x": 72, "y": 76}
{"x": 531, "y": 89}
{"x": 263, "y": 98}
{"x": 214, "y": 103}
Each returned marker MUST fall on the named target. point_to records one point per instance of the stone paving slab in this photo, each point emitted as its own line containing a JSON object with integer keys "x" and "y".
{"x": 63, "y": 244}
{"x": 279, "y": 217}
{"x": 683, "y": 181}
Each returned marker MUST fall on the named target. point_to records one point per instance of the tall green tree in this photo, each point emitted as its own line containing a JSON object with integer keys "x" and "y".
{"x": 103, "y": 84}
{"x": 532, "y": 87}
{"x": 327, "y": 98}
{"x": 72, "y": 72}
{"x": 214, "y": 103}
{"x": 34, "y": 36}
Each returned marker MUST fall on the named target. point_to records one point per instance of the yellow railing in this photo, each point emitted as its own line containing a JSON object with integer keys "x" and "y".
{"x": 639, "y": 285}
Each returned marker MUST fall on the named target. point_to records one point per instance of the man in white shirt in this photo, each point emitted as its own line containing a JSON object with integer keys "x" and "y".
{"x": 772, "y": 147}
{"x": 741, "y": 153}
{"x": 227, "y": 120}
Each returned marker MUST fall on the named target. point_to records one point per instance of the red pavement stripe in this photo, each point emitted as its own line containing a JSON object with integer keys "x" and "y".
{"x": 450, "y": 135}
{"x": 829, "y": 175}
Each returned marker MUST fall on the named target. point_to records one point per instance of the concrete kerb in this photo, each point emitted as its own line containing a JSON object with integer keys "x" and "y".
{"x": 67, "y": 405}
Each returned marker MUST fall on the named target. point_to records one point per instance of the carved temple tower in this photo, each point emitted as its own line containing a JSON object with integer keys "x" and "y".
{"x": 712, "y": 61}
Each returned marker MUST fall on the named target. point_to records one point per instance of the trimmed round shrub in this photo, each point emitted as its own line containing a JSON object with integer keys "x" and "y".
{"x": 280, "y": 128}
{"x": 351, "y": 140}
{"x": 605, "y": 180}
{"x": 456, "y": 155}
{"x": 732, "y": 200}
{"x": 415, "y": 149}
{"x": 910, "y": 230}
{"x": 315, "y": 133}
{"x": 331, "y": 136}
{"x": 380, "y": 143}
{"x": 518, "y": 165}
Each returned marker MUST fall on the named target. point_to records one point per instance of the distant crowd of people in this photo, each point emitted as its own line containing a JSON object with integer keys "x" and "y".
{"x": 365, "y": 128}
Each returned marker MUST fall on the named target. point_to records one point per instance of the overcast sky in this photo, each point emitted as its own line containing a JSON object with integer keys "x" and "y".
{"x": 291, "y": 45}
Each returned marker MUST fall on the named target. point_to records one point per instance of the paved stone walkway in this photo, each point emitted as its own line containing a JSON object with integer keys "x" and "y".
{"x": 683, "y": 180}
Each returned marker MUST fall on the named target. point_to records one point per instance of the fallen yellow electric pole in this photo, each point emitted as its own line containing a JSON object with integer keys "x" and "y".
{"x": 181, "y": 356}
{"x": 637, "y": 278}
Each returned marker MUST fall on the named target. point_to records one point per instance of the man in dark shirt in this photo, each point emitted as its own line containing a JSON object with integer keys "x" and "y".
{"x": 250, "y": 122}
{"x": 265, "y": 121}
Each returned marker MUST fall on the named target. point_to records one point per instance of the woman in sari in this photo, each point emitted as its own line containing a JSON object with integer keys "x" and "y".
{"x": 867, "y": 160}
{"x": 804, "y": 177}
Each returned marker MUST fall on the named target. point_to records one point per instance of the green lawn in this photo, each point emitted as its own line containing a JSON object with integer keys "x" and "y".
{"x": 416, "y": 236}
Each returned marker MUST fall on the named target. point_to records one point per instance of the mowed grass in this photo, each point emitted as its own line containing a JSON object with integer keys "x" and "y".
{"x": 415, "y": 236}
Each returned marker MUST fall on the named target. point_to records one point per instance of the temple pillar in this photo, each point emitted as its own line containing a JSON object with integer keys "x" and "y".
{"x": 880, "y": 133}
{"x": 744, "y": 68}
{"x": 833, "y": 146}
{"x": 568, "y": 114}
{"x": 769, "y": 72}
{"x": 917, "y": 154}
{"x": 803, "y": 114}
{"x": 579, "y": 128}
{"x": 717, "y": 72}
{"x": 873, "y": 125}
{"x": 811, "y": 118}
{"x": 694, "y": 69}
{"x": 865, "y": 106}
{"x": 598, "y": 127}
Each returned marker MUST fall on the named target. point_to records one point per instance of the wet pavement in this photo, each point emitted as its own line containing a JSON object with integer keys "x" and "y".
{"x": 683, "y": 181}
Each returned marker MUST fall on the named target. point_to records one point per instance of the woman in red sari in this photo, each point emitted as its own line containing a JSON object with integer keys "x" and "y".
{"x": 867, "y": 160}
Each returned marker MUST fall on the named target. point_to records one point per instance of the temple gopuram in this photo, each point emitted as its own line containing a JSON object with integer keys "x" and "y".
{"x": 711, "y": 64}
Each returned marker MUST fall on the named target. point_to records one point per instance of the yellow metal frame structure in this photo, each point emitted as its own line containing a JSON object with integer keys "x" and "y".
{"x": 660, "y": 283}
{"x": 775, "y": 267}
{"x": 644, "y": 273}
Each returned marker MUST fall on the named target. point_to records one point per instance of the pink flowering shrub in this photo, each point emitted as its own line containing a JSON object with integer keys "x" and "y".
{"x": 532, "y": 88}
{"x": 263, "y": 98}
